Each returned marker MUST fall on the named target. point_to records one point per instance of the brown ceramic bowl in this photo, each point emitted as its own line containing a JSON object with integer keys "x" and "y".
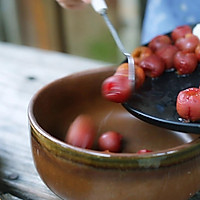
{"x": 171, "y": 171}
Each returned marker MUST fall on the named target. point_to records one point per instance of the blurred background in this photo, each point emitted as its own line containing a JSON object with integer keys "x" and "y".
{"x": 44, "y": 24}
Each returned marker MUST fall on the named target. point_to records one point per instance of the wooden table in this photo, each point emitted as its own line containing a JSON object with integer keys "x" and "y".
{"x": 23, "y": 71}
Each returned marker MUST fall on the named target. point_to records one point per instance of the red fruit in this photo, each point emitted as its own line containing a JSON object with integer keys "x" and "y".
{"x": 188, "y": 104}
{"x": 144, "y": 151}
{"x": 117, "y": 88}
{"x": 81, "y": 132}
{"x": 197, "y": 52}
{"x": 110, "y": 141}
{"x": 140, "y": 53}
{"x": 167, "y": 54}
{"x": 153, "y": 66}
{"x": 188, "y": 43}
{"x": 180, "y": 31}
{"x": 122, "y": 70}
{"x": 159, "y": 41}
{"x": 185, "y": 63}
{"x": 139, "y": 74}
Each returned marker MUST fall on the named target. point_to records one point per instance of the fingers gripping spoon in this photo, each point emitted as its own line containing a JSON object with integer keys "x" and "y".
{"x": 101, "y": 8}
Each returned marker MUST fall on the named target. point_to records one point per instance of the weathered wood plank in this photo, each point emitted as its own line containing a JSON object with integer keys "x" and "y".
{"x": 22, "y": 72}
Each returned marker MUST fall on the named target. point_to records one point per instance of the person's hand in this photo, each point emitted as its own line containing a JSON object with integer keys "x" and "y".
{"x": 72, "y": 4}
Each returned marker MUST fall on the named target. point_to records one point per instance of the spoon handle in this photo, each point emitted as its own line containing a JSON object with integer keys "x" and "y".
{"x": 100, "y": 7}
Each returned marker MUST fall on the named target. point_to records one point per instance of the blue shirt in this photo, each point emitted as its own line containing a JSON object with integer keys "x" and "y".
{"x": 162, "y": 16}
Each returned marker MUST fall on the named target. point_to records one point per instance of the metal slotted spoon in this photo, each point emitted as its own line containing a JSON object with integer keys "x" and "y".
{"x": 155, "y": 103}
{"x": 101, "y": 8}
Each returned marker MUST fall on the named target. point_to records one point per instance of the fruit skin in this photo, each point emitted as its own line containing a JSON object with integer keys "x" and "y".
{"x": 180, "y": 31}
{"x": 141, "y": 52}
{"x": 153, "y": 66}
{"x": 167, "y": 54}
{"x": 81, "y": 132}
{"x": 122, "y": 70}
{"x": 139, "y": 74}
{"x": 117, "y": 88}
{"x": 197, "y": 52}
{"x": 185, "y": 63}
{"x": 110, "y": 141}
{"x": 188, "y": 43}
{"x": 188, "y": 104}
{"x": 158, "y": 42}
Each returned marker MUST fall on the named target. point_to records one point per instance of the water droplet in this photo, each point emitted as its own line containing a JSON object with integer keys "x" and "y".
{"x": 183, "y": 120}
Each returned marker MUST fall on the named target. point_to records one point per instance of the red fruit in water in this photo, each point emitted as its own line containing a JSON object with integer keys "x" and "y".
{"x": 167, "y": 54}
{"x": 185, "y": 63}
{"x": 81, "y": 132}
{"x": 188, "y": 43}
{"x": 180, "y": 31}
{"x": 188, "y": 104}
{"x": 110, "y": 141}
{"x": 117, "y": 88}
{"x": 144, "y": 151}
{"x": 159, "y": 41}
{"x": 153, "y": 66}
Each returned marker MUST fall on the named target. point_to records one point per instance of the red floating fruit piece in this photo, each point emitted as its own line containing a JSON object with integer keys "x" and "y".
{"x": 110, "y": 141}
{"x": 81, "y": 132}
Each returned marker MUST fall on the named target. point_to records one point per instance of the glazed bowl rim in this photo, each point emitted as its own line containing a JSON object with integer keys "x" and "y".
{"x": 190, "y": 149}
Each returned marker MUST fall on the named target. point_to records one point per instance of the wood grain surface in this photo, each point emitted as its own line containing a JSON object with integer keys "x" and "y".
{"x": 23, "y": 71}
